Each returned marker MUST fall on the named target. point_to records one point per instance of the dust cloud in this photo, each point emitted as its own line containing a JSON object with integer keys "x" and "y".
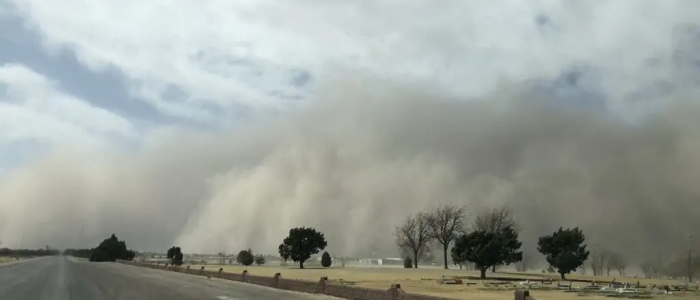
{"x": 621, "y": 161}
{"x": 355, "y": 164}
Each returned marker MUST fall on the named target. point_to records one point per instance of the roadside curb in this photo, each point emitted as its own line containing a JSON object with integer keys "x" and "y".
{"x": 322, "y": 287}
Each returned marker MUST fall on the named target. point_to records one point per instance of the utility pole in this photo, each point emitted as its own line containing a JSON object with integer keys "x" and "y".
{"x": 690, "y": 259}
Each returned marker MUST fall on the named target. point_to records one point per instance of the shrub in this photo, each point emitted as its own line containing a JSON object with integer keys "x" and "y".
{"x": 408, "y": 263}
{"x": 245, "y": 257}
{"x": 111, "y": 249}
{"x": 259, "y": 259}
{"x": 326, "y": 260}
{"x": 175, "y": 255}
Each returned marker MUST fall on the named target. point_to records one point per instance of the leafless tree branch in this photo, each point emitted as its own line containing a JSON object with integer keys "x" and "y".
{"x": 414, "y": 234}
{"x": 617, "y": 262}
{"x": 446, "y": 222}
{"x": 600, "y": 261}
{"x": 494, "y": 221}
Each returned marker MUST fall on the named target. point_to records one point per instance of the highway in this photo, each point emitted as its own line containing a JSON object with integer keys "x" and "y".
{"x": 62, "y": 278}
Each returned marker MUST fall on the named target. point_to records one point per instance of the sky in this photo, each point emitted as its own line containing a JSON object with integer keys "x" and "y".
{"x": 216, "y": 126}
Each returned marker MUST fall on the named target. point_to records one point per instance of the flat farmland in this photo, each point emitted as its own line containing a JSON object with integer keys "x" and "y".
{"x": 426, "y": 281}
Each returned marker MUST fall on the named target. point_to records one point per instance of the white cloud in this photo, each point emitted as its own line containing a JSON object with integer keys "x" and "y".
{"x": 379, "y": 152}
{"x": 462, "y": 45}
{"x": 34, "y": 109}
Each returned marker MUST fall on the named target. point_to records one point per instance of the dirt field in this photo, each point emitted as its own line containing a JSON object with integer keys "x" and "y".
{"x": 424, "y": 281}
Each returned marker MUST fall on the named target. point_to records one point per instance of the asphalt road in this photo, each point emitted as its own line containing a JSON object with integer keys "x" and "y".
{"x": 62, "y": 278}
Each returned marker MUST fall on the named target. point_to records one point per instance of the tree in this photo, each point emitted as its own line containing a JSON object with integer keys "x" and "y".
{"x": 486, "y": 249}
{"x": 494, "y": 221}
{"x": 303, "y": 242}
{"x": 222, "y": 257}
{"x": 445, "y": 223}
{"x": 407, "y": 263}
{"x": 111, "y": 249}
{"x": 414, "y": 234}
{"x": 651, "y": 269}
{"x": 618, "y": 263}
{"x": 245, "y": 257}
{"x": 599, "y": 261}
{"x": 458, "y": 256}
{"x": 326, "y": 260}
{"x": 284, "y": 251}
{"x": 175, "y": 255}
{"x": 259, "y": 260}
{"x": 82, "y": 253}
{"x": 564, "y": 250}
{"x": 425, "y": 255}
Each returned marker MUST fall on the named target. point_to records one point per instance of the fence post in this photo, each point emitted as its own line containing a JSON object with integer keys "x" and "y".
{"x": 277, "y": 280}
{"x": 522, "y": 294}
{"x": 394, "y": 291}
{"x": 322, "y": 284}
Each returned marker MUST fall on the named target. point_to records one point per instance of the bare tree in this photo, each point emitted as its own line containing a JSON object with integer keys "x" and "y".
{"x": 446, "y": 223}
{"x": 618, "y": 263}
{"x": 414, "y": 234}
{"x": 222, "y": 257}
{"x": 424, "y": 255}
{"x": 651, "y": 268}
{"x": 599, "y": 261}
{"x": 494, "y": 221}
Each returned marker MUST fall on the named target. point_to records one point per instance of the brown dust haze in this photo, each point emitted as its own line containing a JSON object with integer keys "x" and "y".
{"x": 356, "y": 164}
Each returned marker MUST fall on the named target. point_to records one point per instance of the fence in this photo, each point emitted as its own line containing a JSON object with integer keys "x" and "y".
{"x": 323, "y": 286}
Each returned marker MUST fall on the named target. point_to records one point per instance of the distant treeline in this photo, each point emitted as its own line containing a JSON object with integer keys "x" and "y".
{"x": 83, "y": 253}
{"x": 110, "y": 249}
{"x": 28, "y": 252}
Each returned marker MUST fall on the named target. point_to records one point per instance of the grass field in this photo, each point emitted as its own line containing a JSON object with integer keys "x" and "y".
{"x": 425, "y": 281}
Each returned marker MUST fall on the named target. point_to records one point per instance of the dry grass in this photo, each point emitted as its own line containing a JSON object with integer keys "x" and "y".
{"x": 424, "y": 281}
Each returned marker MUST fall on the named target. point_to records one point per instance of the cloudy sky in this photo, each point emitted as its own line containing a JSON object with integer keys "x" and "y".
{"x": 200, "y": 116}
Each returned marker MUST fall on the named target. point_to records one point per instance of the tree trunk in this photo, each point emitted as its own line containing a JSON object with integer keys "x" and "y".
{"x": 301, "y": 264}
{"x": 483, "y": 272}
{"x": 563, "y": 276}
{"x": 444, "y": 254}
{"x": 415, "y": 259}
{"x": 493, "y": 269}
